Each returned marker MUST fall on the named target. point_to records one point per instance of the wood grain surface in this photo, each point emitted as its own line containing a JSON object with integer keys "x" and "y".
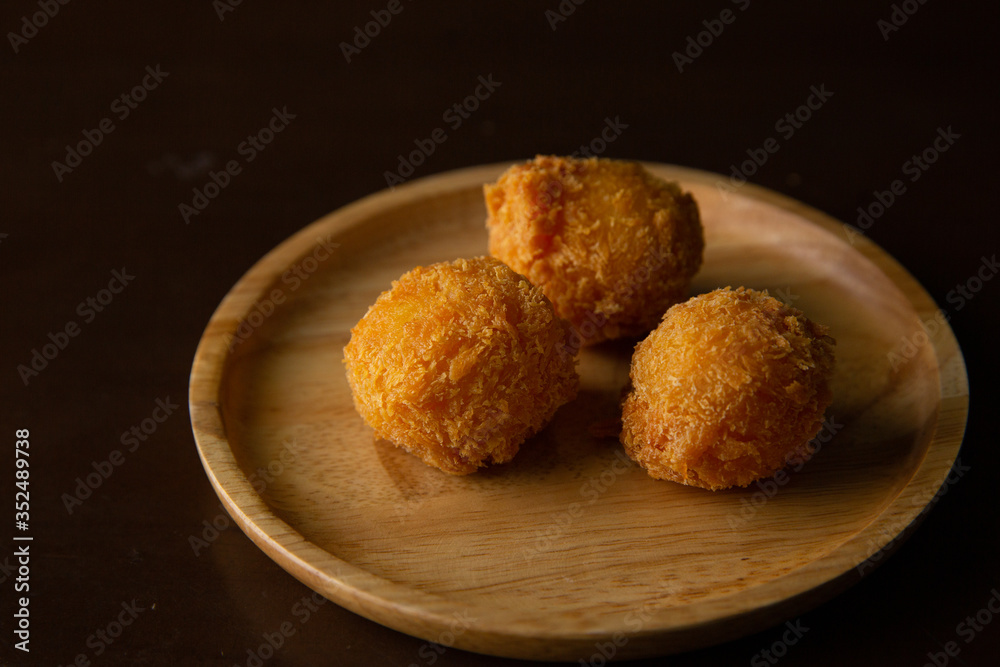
{"x": 570, "y": 545}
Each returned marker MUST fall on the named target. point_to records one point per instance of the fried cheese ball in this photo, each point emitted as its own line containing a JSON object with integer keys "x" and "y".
{"x": 611, "y": 245}
{"x": 726, "y": 390}
{"x": 460, "y": 362}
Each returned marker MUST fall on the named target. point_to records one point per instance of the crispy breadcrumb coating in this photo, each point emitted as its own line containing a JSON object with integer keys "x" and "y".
{"x": 459, "y": 363}
{"x": 727, "y": 389}
{"x": 611, "y": 245}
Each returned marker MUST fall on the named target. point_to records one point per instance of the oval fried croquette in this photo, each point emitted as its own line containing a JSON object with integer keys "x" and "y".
{"x": 726, "y": 389}
{"x": 459, "y": 362}
{"x": 611, "y": 245}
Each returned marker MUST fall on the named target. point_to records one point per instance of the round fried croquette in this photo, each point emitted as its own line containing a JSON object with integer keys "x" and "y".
{"x": 611, "y": 245}
{"x": 727, "y": 390}
{"x": 460, "y": 362}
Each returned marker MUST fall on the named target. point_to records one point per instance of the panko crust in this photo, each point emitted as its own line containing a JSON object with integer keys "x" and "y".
{"x": 727, "y": 390}
{"x": 460, "y": 362}
{"x": 611, "y": 245}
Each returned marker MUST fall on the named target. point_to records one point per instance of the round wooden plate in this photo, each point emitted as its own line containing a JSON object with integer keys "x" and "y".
{"x": 570, "y": 551}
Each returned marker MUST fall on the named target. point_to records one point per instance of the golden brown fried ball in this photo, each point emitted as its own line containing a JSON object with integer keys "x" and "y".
{"x": 611, "y": 245}
{"x": 459, "y": 363}
{"x": 727, "y": 389}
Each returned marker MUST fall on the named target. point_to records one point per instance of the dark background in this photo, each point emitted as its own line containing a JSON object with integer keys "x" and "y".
{"x": 119, "y": 208}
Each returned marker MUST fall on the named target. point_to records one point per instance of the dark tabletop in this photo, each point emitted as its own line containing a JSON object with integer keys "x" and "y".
{"x": 114, "y": 112}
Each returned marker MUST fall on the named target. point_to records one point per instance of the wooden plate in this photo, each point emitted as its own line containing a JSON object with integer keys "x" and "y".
{"x": 570, "y": 550}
